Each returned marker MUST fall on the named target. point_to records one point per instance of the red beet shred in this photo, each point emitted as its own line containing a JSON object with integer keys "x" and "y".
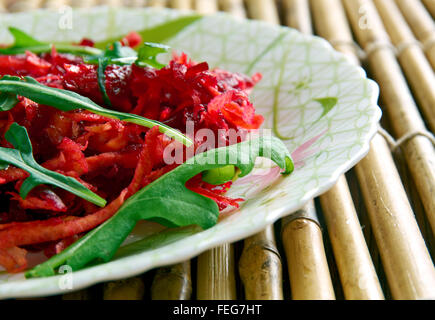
{"x": 94, "y": 149}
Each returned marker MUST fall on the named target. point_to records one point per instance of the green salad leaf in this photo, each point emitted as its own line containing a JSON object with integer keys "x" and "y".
{"x": 67, "y": 101}
{"x": 22, "y": 39}
{"x": 101, "y": 78}
{"x": 114, "y": 54}
{"x": 122, "y": 55}
{"x": 168, "y": 202}
{"x": 7, "y": 101}
{"x": 22, "y": 157}
{"x": 24, "y": 42}
{"x": 147, "y": 56}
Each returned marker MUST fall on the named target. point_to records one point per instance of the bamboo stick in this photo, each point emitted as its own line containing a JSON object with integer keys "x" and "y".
{"x": 235, "y": 7}
{"x": 136, "y": 3}
{"x": 110, "y": 3}
{"x": 82, "y": 3}
{"x": 331, "y": 24}
{"x": 297, "y": 15}
{"x": 172, "y": 283}
{"x": 418, "y": 18}
{"x": 430, "y": 5}
{"x": 54, "y": 4}
{"x": 215, "y": 275}
{"x": 422, "y": 24}
{"x": 205, "y": 6}
{"x": 158, "y": 3}
{"x": 415, "y": 202}
{"x": 23, "y": 5}
{"x": 2, "y": 6}
{"x": 399, "y": 104}
{"x": 260, "y": 267}
{"x": 407, "y": 263}
{"x": 263, "y": 10}
{"x": 417, "y": 69}
{"x": 181, "y": 4}
{"x": 357, "y": 273}
{"x": 307, "y": 265}
{"x": 367, "y": 229}
{"x": 128, "y": 289}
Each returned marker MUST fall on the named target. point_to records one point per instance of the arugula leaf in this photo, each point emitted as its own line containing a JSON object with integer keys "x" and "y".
{"x": 121, "y": 55}
{"x": 67, "y": 101}
{"x": 7, "y": 101}
{"x": 24, "y": 42}
{"x": 101, "y": 78}
{"x": 147, "y": 56}
{"x": 167, "y": 201}
{"x": 22, "y": 157}
{"x": 115, "y": 54}
{"x": 23, "y": 39}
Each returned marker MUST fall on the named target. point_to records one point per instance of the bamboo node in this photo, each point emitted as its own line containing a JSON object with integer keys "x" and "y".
{"x": 406, "y": 44}
{"x": 378, "y": 45}
{"x": 264, "y": 245}
{"x": 429, "y": 42}
{"x": 306, "y": 213}
{"x": 396, "y": 144}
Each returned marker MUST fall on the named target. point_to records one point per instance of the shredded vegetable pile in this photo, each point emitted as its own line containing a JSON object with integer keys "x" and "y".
{"x": 112, "y": 158}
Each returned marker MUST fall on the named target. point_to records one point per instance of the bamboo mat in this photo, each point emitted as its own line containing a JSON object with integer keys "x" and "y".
{"x": 372, "y": 235}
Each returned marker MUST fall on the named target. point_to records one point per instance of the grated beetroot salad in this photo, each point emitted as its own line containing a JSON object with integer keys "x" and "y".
{"x": 112, "y": 158}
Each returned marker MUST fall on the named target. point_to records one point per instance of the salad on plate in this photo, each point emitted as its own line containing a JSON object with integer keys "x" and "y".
{"x": 94, "y": 140}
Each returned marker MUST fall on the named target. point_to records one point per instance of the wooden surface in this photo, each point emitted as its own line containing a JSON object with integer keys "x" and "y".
{"x": 372, "y": 235}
